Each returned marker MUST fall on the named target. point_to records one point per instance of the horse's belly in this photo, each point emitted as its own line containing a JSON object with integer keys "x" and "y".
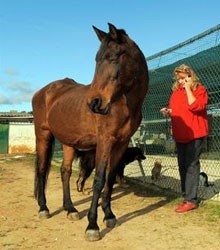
{"x": 70, "y": 128}
{"x": 77, "y": 139}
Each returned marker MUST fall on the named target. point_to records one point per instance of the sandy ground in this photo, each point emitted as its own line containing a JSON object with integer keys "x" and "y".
{"x": 146, "y": 217}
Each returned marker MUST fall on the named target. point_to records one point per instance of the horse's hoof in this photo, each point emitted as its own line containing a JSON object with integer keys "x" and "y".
{"x": 92, "y": 235}
{"x": 110, "y": 223}
{"x": 44, "y": 214}
{"x": 73, "y": 216}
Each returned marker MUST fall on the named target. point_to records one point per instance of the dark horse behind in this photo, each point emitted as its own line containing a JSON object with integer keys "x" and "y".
{"x": 87, "y": 164}
{"x": 102, "y": 115}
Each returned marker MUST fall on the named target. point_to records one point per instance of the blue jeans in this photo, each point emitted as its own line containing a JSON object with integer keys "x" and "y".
{"x": 189, "y": 168}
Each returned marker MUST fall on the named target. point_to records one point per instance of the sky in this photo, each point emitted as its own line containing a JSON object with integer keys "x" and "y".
{"x": 45, "y": 40}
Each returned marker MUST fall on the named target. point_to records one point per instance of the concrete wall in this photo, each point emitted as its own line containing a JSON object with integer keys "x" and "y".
{"x": 21, "y": 138}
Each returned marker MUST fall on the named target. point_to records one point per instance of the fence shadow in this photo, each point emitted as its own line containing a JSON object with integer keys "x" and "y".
{"x": 171, "y": 184}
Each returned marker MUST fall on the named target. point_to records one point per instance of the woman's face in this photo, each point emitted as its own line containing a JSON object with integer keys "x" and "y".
{"x": 181, "y": 78}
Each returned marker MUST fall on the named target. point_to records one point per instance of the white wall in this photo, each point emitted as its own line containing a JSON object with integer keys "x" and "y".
{"x": 21, "y": 138}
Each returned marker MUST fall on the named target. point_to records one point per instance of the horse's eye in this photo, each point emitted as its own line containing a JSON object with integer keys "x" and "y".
{"x": 112, "y": 58}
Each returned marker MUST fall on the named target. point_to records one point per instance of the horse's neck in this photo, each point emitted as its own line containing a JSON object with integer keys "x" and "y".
{"x": 135, "y": 104}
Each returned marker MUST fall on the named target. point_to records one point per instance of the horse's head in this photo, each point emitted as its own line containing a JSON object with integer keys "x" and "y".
{"x": 120, "y": 68}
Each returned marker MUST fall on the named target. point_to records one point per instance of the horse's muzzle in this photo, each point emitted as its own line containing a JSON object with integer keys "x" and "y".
{"x": 96, "y": 106}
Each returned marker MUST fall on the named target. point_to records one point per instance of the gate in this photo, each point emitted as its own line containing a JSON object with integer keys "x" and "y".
{"x": 4, "y": 132}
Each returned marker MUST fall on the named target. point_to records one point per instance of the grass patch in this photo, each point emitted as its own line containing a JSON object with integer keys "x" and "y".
{"x": 211, "y": 211}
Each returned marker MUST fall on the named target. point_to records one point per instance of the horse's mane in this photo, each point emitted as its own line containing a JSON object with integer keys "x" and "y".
{"x": 122, "y": 31}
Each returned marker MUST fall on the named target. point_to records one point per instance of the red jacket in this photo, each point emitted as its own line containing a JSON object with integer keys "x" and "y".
{"x": 189, "y": 122}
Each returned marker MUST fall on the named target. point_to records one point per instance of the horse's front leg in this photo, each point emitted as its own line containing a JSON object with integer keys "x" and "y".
{"x": 110, "y": 219}
{"x": 103, "y": 150}
{"x": 66, "y": 171}
{"x": 92, "y": 230}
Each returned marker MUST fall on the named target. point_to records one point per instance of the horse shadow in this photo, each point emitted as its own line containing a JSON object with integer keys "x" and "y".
{"x": 133, "y": 214}
{"x": 119, "y": 192}
{"x": 145, "y": 191}
{"x": 76, "y": 203}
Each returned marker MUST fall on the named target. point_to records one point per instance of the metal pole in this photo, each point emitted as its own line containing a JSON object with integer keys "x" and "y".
{"x": 139, "y": 162}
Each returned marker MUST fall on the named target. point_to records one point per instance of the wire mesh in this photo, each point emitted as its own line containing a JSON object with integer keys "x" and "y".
{"x": 154, "y": 135}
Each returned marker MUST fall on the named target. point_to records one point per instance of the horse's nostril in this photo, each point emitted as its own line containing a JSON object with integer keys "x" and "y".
{"x": 95, "y": 104}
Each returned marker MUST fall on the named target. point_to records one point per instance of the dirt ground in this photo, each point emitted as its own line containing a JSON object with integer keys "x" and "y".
{"x": 146, "y": 217}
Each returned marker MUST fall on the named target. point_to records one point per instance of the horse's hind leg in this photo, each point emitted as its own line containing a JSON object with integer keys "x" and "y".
{"x": 44, "y": 150}
{"x": 66, "y": 171}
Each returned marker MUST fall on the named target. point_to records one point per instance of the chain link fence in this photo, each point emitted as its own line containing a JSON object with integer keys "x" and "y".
{"x": 154, "y": 136}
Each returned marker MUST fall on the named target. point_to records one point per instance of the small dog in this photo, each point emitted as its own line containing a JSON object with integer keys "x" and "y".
{"x": 87, "y": 164}
{"x": 203, "y": 179}
{"x": 156, "y": 170}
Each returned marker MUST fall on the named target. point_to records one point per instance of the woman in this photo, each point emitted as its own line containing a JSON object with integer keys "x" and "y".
{"x": 187, "y": 109}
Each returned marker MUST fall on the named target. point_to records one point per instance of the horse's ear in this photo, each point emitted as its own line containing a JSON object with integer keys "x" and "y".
{"x": 115, "y": 33}
{"x": 101, "y": 34}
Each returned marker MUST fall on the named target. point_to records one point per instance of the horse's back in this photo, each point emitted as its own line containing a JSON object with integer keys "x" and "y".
{"x": 53, "y": 91}
{"x": 44, "y": 99}
{"x": 60, "y": 107}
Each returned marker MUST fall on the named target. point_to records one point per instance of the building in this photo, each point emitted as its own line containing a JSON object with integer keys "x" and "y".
{"x": 16, "y": 133}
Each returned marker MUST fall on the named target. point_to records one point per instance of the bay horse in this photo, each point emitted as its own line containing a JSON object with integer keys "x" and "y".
{"x": 101, "y": 115}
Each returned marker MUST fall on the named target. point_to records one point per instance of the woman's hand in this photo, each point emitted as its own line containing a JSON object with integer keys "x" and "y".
{"x": 188, "y": 83}
{"x": 166, "y": 111}
{"x": 190, "y": 96}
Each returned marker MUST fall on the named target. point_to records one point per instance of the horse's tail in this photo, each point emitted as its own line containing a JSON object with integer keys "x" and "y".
{"x": 46, "y": 170}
